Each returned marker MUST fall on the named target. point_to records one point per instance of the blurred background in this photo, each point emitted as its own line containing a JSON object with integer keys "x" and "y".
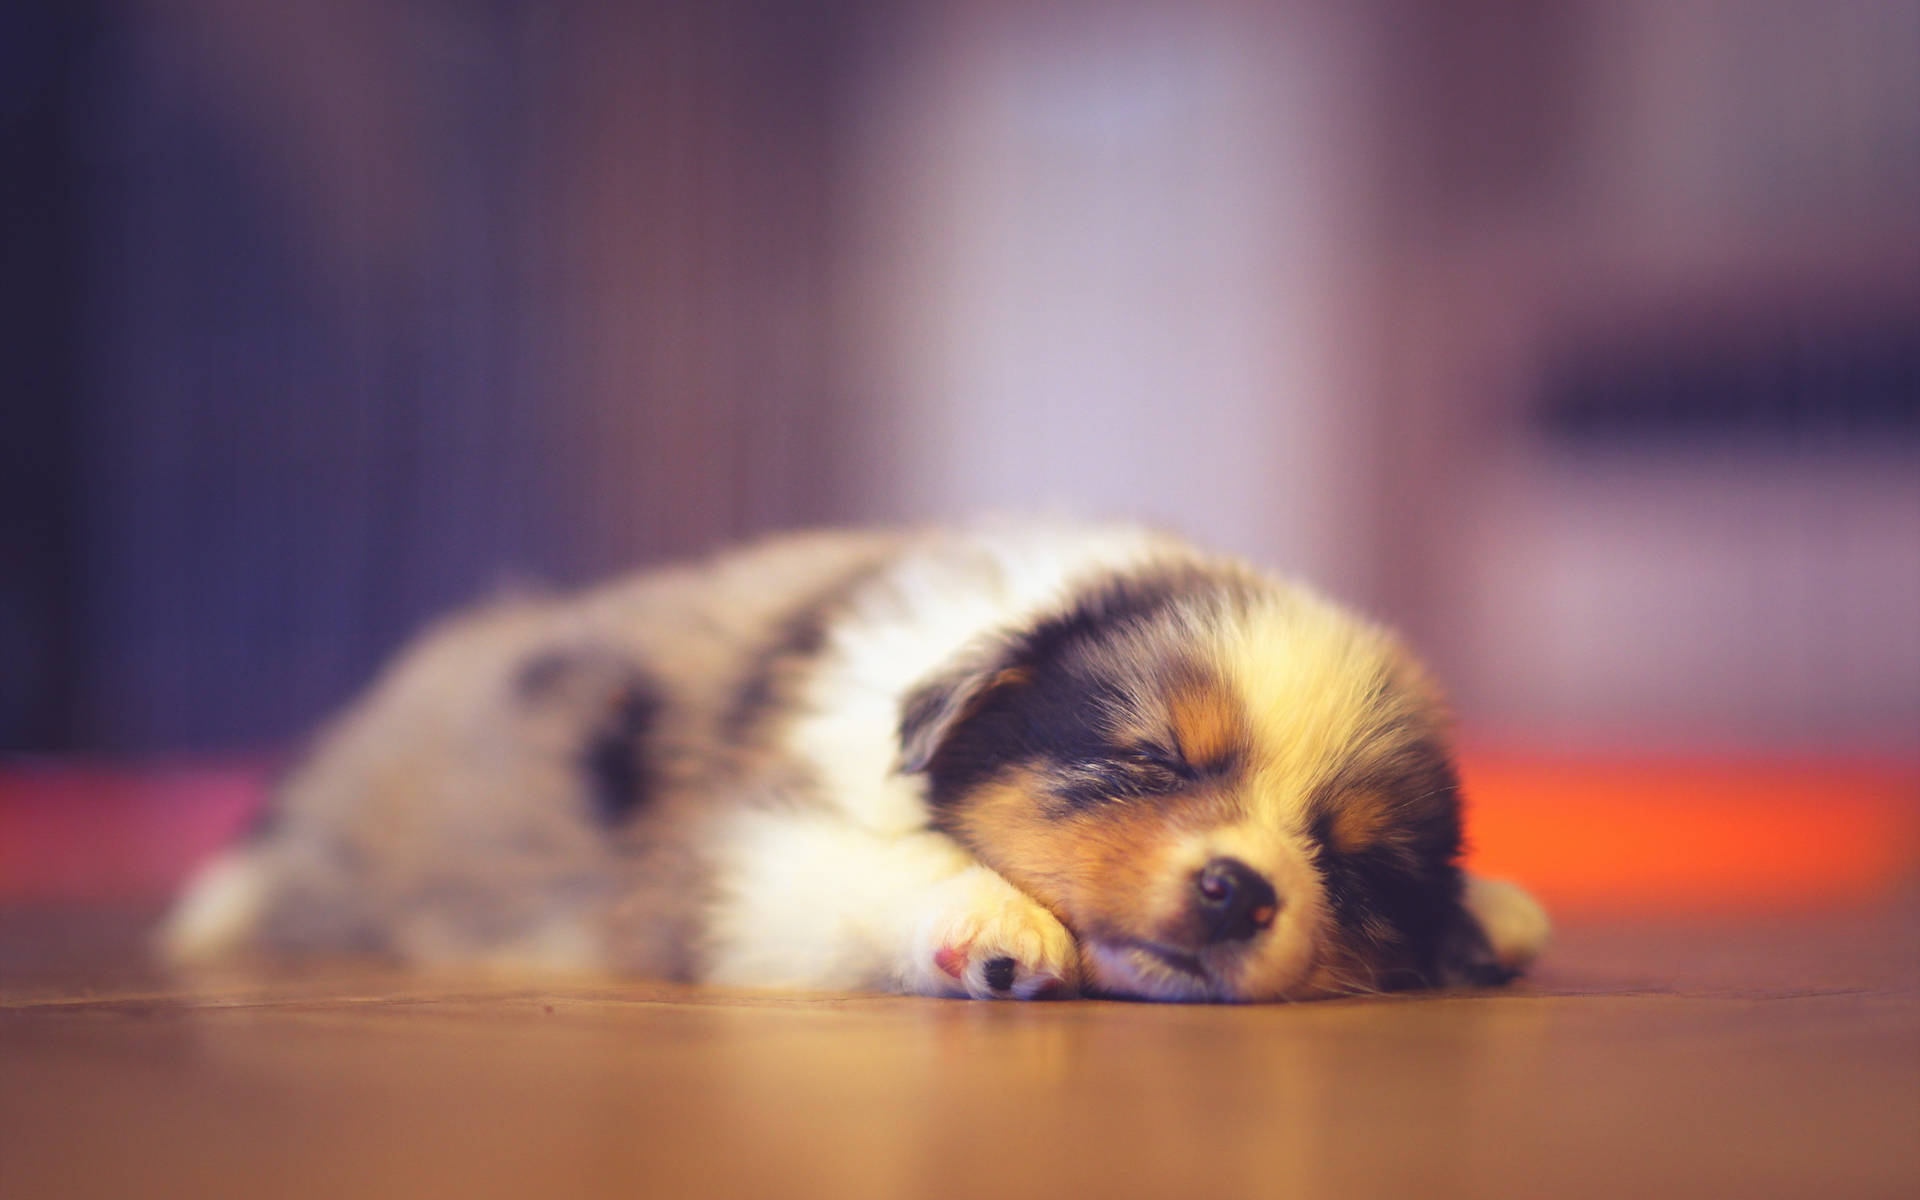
{"x": 1581, "y": 340}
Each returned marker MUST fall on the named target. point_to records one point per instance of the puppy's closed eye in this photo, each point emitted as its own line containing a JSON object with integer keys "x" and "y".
{"x": 1123, "y": 773}
{"x": 1150, "y": 757}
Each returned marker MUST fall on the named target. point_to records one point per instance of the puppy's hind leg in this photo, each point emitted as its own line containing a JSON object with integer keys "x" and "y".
{"x": 812, "y": 901}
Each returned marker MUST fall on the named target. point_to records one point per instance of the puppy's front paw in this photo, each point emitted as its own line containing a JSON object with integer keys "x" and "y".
{"x": 984, "y": 938}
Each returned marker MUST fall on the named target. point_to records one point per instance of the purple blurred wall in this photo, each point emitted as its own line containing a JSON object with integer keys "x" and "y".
{"x": 1578, "y": 339}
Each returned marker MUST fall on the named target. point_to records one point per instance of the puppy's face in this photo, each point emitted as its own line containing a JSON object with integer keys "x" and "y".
{"x": 1226, "y": 789}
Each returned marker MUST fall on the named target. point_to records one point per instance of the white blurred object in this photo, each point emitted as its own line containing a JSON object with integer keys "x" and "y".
{"x": 1106, "y": 264}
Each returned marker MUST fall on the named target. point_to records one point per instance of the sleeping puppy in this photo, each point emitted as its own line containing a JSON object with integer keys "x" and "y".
{"x": 1010, "y": 762}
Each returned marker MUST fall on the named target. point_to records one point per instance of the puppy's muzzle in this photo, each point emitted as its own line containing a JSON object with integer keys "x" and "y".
{"x": 1234, "y": 902}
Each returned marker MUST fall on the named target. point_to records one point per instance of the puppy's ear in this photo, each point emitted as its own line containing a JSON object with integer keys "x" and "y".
{"x": 940, "y": 703}
{"x": 1500, "y": 931}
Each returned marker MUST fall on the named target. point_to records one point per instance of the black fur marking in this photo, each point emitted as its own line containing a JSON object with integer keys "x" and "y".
{"x": 1000, "y": 973}
{"x": 616, "y": 703}
{"x": 1127, "y": 601}
{"x": 1052, "y": 719}
{"x": 614, "y": 759}
{"x": 1055, "y": 710}
{"x": 1406, "y": 884}
{"x": 801, "y": 635}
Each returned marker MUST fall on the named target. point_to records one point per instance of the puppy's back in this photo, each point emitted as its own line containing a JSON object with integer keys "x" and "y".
{"x": 528, "y": 774}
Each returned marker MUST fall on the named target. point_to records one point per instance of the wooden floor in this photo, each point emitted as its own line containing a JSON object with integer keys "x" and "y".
{"x": 1775, "y": 1059}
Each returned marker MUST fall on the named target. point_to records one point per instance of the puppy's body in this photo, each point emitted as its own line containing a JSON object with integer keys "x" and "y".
{"x": 1001, "y": 763}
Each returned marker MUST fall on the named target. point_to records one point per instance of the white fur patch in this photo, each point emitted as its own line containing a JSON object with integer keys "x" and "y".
{"x": 810, "y": 901}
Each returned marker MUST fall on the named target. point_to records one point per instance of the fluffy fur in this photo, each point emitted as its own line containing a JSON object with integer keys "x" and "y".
{"x": 1009, "y": 762}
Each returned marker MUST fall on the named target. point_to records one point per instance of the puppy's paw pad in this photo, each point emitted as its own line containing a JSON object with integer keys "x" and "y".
{"x": 999, "y": 973}
{"x": 952, "y": 960}
{"x": 987, "y": 940}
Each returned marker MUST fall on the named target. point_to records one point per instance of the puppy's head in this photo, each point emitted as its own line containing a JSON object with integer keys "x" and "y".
{"x": 1226, "y": 787}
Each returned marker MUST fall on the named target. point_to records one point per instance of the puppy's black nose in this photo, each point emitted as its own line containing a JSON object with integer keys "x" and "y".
{"x": 1235, "y": 902}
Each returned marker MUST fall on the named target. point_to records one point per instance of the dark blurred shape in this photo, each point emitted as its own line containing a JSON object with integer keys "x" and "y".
{"x": 1651, "y": 463}
{"x": 41, "y": 247}
{"x": 1764, "y": 383}
{"x": 339, "y": 315}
